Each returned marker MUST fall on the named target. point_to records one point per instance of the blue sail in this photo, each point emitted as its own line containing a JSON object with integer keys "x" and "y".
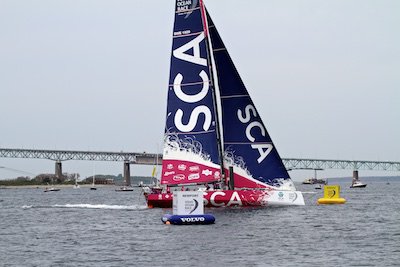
{"x": 191, "y": 152}
{"x": 247, "y": 144}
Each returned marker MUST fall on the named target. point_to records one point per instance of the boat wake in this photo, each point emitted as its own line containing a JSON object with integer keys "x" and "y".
{"x": 90, "y": 206}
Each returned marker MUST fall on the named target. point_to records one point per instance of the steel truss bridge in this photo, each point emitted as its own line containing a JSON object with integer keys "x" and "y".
{"x": 322, "y": 164}
{"x": 152, "y": 159}
{"x": 63, "y": 155}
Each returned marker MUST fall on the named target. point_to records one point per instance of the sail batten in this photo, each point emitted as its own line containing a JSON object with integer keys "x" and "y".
{"x": 188, "y": 133}
{"x": 247, "y": 143}
{"x": 233, "y": 96}
{"x": 192, "y": 83}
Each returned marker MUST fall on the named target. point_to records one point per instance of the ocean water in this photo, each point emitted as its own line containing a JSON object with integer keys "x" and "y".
{"x": 79, "y": 227}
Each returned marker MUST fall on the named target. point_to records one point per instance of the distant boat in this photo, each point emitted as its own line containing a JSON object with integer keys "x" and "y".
{"x": 93, "y": 187}
{"x": 76, "y": 185}
{"x": 318, "y": 186}
{"x": 51, "y": 189}
{"x": 314, "y": 181}
{"x": 356, "y": 183}
{"x": 124, "y": 189}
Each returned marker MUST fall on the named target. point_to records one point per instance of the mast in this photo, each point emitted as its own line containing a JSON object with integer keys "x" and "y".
{"x": 214, "y": 82}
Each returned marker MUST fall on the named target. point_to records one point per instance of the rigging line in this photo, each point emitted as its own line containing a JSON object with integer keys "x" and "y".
{"x": 15, "y": 170}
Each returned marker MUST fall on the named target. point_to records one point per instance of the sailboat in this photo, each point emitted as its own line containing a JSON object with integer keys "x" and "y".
{"x": 76, "y": 185}
{"x": 215, "y": 140}
{"x": 93, "y": 187}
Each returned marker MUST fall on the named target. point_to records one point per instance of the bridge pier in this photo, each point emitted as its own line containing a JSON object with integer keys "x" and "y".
{"x": 355, "y": 175}
{"x": 58, "y": 170}
{"x": 127, "y": 173}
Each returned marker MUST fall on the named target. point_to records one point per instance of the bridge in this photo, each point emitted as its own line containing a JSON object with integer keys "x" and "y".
{"x": 152, "y": 159}
{"x": 322, "y": 164}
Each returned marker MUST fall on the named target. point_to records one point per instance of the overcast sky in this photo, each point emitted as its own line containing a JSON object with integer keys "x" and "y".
{"x": 93, "y": 75}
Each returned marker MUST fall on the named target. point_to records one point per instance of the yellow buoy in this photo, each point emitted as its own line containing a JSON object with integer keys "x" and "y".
{"x": 331, "y": 195}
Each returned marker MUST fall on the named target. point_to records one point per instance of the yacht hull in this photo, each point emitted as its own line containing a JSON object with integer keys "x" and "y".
{"x": 234, "y": 198}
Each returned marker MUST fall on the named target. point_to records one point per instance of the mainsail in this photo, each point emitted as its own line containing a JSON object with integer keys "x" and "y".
{"x": 192, "y": 147}
{"x": 191, "y": 152}
{"x": 212, "y": 125}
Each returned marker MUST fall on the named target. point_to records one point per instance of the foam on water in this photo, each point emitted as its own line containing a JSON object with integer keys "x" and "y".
{"x": 91, "y": 206}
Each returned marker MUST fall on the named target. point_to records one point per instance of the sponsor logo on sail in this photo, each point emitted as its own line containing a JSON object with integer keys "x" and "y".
{"x": 262, "y": 148}
{"x": 206, "y": 172}
{"x": 170, "y": 166}
{"x": 184, "y": 53}
{"x": 194, "y": 176}
{"x": 217, "y": 175}
{"x": 194, "y": 168}
{"x": 169, "y": 173}
{"x": 179, "y": 177}
{"x": 181, "y": 167}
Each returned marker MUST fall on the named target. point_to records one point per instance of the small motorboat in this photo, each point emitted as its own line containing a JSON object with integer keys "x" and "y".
{"x": 51, "y": 189}
{"x": 124, "y": 189}
{"x": 358, "y": 184}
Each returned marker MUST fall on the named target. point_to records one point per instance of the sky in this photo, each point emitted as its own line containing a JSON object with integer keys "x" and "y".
{"x": 93, "y": 75}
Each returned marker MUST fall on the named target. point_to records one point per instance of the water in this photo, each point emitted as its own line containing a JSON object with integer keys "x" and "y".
{"x": 79, "y": 227}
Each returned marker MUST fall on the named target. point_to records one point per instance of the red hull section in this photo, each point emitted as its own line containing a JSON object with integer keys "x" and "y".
{"x": 218, "y": 198}
{"x": 186, "y": 172}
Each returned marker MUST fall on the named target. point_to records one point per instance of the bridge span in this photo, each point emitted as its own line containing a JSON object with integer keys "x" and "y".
{"x": 153, "y": 158}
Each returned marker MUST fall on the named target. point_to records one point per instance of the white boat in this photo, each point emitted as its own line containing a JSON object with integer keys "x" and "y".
{"x": 76, "y": 185}
{"x": 124, "y": 189}
{"x": 214, "y": 134}
{"x": 51, "y": 189}
{"x": 357, "y": 184}
{"x": 93, "y": 187}
{"x": 319, "y": 186}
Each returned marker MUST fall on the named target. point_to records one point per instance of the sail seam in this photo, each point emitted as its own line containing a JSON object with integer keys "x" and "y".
{"x": 195, "y": 83}
{"x": 234, "y": 96}
{"x": 246, "y": 143}
{"x": 219, "y": 49}
{"x": 200, "y": 132}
